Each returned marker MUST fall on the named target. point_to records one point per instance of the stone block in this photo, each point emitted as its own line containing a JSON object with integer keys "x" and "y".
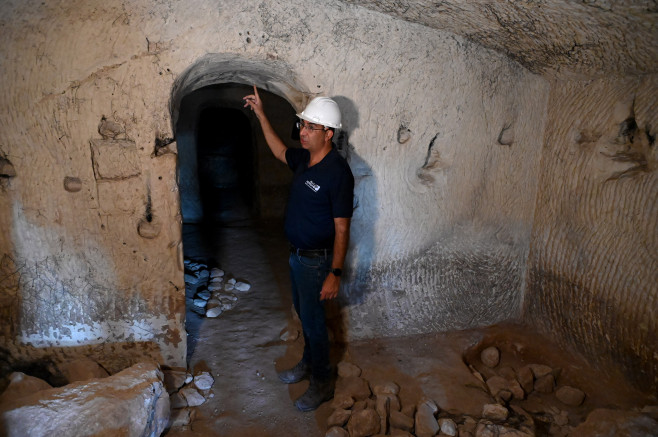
{"x": 132, "y": 402}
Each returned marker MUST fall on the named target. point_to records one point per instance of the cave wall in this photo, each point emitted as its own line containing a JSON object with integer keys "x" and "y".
{"x": 443, "y": 136}
{"x": 593, "y": 264}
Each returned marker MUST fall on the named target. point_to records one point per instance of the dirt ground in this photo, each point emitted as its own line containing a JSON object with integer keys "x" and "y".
{"x": 243, "y": 350}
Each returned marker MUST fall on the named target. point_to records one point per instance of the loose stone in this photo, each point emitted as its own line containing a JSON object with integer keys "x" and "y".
{"x": 214, "y": 312}
{"x": 490, "y": 356}
{"x": 201, "y": 303}
{"x": 526, "y": 379}
{"x": 363, "y": 423}
{"x": 545, "y": 384}
{"x": 353, "y": 386}
{"x": 242, "y": 286}
{"x": 204, "y": 294}
{"x": 346, "y": 369}
{"x": 448, "y": 427}
{"x": 216, "y": 272}
{"x": 339, "y": 417}
{"x": 426, "y": 425}
{"x": 203, "y": 381}
{"x": 387, "y": 388}
{"x": 337, "y": 431}
{"x": 215, "y": 286}
{"x": 342, "y": 401}
{"x": 495, "y": 412}
{"x": 401, "y": 421}
{"x": 570, "y": 396}
{"x": 540, "y": 370}
{"x": 193, "y": 397}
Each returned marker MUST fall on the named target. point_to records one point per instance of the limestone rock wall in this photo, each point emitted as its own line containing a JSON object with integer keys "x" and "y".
{"x": 443, "y": 136}
{"x": 593, "y": 269}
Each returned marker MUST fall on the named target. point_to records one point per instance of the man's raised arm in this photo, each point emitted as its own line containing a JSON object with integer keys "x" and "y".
{"x": 273, "y": 141}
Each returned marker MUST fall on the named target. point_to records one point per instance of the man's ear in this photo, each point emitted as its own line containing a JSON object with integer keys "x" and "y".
{"x": 331, "y": 134}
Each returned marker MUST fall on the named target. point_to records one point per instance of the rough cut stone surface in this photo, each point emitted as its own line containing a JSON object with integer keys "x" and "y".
{"x": 490, "y": 356}
{"x": 570, "y": 396}
{"x": 363, "y": 423}
{"x": 132, "y": 402}
{"x": 21, "y": 385}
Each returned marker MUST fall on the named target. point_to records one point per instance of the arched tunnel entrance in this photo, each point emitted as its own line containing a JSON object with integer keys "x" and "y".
{"x": 232, "y": 190}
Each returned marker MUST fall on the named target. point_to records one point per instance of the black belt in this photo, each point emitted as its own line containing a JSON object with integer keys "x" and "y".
{"x": 311, "y": 253}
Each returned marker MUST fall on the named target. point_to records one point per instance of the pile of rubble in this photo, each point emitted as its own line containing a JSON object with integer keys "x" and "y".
{"x": 186, "y": 391}
{"x": 209, "y": 291}
{"x": 361, "y": 411}
{"x": 524, "y": 402}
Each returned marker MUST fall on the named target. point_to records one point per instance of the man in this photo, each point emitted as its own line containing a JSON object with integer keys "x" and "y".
{"x": 317, "y": 226}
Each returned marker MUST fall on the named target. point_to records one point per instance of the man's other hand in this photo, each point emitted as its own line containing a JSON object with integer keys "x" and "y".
{"x": 330, "y": 287}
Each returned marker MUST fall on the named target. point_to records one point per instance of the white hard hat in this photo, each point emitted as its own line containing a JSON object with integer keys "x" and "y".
{"x": 322, "y": 110}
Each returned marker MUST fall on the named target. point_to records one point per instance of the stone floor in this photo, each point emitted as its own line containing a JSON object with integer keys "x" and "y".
{"x": 243, "y": 350}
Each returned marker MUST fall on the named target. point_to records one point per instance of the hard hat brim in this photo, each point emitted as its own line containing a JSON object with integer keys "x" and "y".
{"x": 333, "y": 126}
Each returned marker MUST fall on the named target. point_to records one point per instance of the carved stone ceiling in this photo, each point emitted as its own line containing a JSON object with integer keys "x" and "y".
{"x": 588, "y": 38}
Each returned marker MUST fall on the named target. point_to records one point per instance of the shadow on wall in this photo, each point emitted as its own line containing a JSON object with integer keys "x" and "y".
{"x": 362, "y": 241}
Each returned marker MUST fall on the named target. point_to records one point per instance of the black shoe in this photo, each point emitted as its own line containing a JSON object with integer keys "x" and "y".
{"x": 296, "y": 374}
{"x": 317, "y": 393}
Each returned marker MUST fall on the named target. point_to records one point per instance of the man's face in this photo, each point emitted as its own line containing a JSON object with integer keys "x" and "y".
{"x": 313, "y": 136}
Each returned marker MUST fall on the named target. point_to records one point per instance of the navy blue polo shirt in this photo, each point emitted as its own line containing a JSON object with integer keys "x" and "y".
{"x": 318, "y": 194}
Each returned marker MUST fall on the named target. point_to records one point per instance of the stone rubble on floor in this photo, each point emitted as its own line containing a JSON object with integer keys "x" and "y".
{"x": 209, "y": 290}
{"x": 186, "y": 391}
{"x": 361, "y": 410}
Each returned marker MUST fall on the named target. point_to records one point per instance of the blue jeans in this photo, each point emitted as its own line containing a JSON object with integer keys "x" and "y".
{"x": 307, "y": 274}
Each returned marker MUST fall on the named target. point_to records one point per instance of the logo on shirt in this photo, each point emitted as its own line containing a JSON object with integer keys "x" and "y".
{"x": 313, "y": 186}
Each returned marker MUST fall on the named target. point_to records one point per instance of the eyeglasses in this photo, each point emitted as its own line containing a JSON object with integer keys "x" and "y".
{"x": 301, "y": 125}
